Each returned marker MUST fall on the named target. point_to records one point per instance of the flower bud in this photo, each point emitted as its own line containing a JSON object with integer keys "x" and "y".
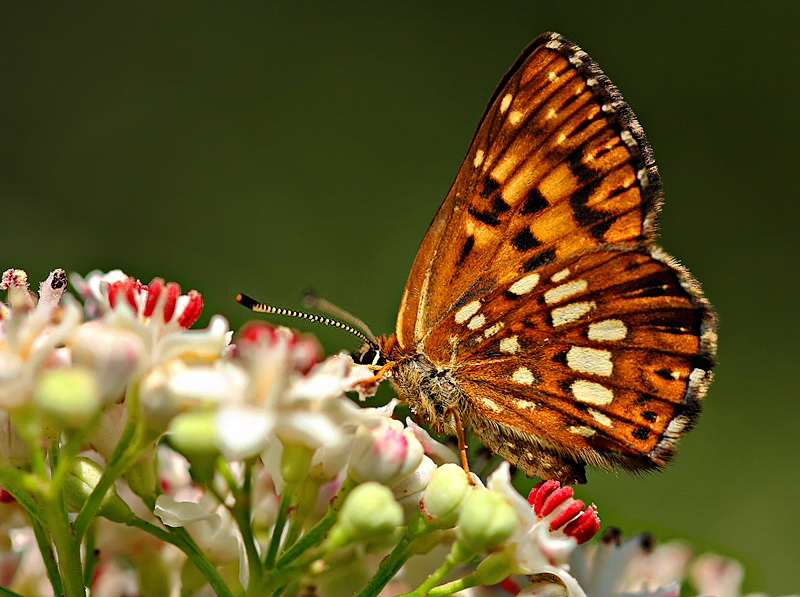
{"x": 387, "y": 453}
{"x": 411, "y": 489}
{"x": 70, "y": 396}
{"x": 194, "y": 435}
{"x": 485, "y": 521}
{"x": 81, "y": 481}
{"x": 446, "y": 491}
{"x": 369, "y": 512}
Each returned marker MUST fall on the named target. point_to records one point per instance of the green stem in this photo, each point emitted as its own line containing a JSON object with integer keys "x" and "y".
{"x": 277, "y": 531}
{"x": 4, "y": 592}
{"x": 15, "y": 483}
{"x": 67, "y": 546}
{"x": 46, "y": 549}
{"x": 90, "y": 554}
{"x": 449, "y": 588}
{"x": 392, "y": 563}
{"x": 454, "y": 558}
{"x": 186, "y": 544}
{"x": 317, "y": 533}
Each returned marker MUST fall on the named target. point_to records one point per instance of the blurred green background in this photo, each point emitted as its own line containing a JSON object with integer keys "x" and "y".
{"x": 268, "y": 148}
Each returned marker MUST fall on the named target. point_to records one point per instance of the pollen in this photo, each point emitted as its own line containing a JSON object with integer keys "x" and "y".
{"x": 590, "y": 360}
{"x": 525, "y": 284}
{"x": 467, "y": 311}
{"x": 509, "y": 345}
{"x": 560, "y": 293}
{"x": 523, "y": 376}
{"x": 506, "y": 102}
{"x": 590, "y": 392}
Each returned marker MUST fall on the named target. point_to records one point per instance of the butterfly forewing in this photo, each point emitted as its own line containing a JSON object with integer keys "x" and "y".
{"x": 537, "y": 306}
{"x": 558, "y": 165}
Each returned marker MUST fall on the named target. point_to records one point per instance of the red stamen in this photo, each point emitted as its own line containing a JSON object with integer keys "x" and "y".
{"x": 585, "y": 526}
{"x": 173, "y": 292}
{"x": 509, "y": 585}
{"x": 113, "y": 289}
{"x": 570, "y": 512}
{"x": 192, "y": 310}
{"x": 534, "y": 492}
{"x": 153, "y": 292}
{"x": 129, "y": 287}
{"x": 555, "y": 499}
{"x": 544, "y": 492}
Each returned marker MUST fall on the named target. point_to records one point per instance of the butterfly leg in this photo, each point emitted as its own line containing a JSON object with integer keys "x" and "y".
{"x": 462, "y": 441}
{"x": 381, "y": 373}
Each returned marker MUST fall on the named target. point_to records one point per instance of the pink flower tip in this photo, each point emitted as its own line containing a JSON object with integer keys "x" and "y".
{"x": 157, "y": 300}
{"x": 569, "y": 516}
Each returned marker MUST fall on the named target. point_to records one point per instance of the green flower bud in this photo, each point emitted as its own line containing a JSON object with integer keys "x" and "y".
{"x": 70, "y": 396}
{"x": 81, "y": 481}
{"x": 194, "y": 435}
{"x": 495, "y": 568}
{"x": 295, "y": 462}
{"x": 485, "y": 521}
{"x": 369, "y": 512}
{"x": 443, "y": 497}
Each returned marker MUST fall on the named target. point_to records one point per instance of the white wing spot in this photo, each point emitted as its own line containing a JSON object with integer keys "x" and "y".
{"x": 608, "y": 108}
{"x": 558, "y": 276}
{"x": 581, "y": 430}
{"x": 515, "y": 117}
{"x": 590, "y": 392}
{"x": 479, "y": 155}
{"x": 525, "y": 284}
{"x": 509, "y": 345}
{"x": 506, "y": 102}
{"x": 591, "y": 82}
{"x": 523, "y": 375}
{"x": 628, "y": 138}
{"x": 552, "y": 75}
{"x": 476, "y": 322}
{"x": 491, "y": 404}
{"x": 590, "y": 360}
{"x": 571, "y": 312}
{"x": 525, "y": 405}
{"x": 608, "y": 330}
{"x": 563, "y": 292}
{"x": 491, "y": 331}
{"x": 551, "y": 113}
{"x": 467, "y": 311}
{"x": 600, "y": 417}
{"x": 642, "y": 176}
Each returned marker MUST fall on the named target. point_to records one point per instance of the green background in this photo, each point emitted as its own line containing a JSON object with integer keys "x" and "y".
{"x": 270, "y": 148}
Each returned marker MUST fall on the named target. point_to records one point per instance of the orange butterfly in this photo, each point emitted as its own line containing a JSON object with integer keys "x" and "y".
{"x": 538, "y": 311}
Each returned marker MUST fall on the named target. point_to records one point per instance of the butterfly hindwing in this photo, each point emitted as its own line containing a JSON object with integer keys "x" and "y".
{"x": 558, "y": 164}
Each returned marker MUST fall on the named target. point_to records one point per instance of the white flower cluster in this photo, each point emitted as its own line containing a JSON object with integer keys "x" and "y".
{"x": 138, "y": 456}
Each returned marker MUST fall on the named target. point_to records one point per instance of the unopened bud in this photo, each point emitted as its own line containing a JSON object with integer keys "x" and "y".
{"x": 446, "y": 491}
{"x": 70, "y": 396}
{"x": 369, "y": 512}
{"x": 485, "y": 521}
{"x": 81, "y": 481}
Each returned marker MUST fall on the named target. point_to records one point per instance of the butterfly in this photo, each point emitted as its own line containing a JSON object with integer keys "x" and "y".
{"x": 538, "y": 312}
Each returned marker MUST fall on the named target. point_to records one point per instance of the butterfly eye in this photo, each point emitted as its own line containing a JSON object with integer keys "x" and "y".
{"x": 369, "y": 355}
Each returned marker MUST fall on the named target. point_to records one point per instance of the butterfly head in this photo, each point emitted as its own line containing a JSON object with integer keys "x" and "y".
{"x": 369, "y": 354}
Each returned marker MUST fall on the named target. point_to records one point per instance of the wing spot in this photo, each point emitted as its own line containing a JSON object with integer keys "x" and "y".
{"x": 515, "y": 117}
{"x": 558, "y": 276}
{"x": 477, "y": 322}
{"x": 552, "y": 74}
{"x": 506, "y": 102}
{"x": 491, "y": 331}
{"x": 644, "y": 180}
{"x": 608, "y": 108}
{"x": 608, "y": 330}
{"x": 640, "y": 433}
{"x": 479, "y": 155}
{"x": 509, "y": 345}
{"x": 590, "y": 392}
{"x": 582, "y": 430}
{"x": 467, "y": 311}
{"x": 600, "y": 417}
{"x": 551, "y": 113}
{"x": 571, "y": 312}
{"x": 590, "y": 360}
{"x": 525, "y": 284}
{"x": 523, "y": 376}
{"x": 563, "y": 292}
{"x": 628, "y": 139}
{"x": 591, "y": 82}
{"x": 491, "y": 404}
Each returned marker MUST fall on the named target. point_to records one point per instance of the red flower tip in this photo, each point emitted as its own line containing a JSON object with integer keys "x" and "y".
{"x": 192, "y": 310}
{"x": 153, "y": 292}
{"x": 585, "y": 526}
{"x": 5, "y": 497}
{"x": 540, "y": 493}
{"x": 304, "y": 351}
{"x": 147, "y": 300}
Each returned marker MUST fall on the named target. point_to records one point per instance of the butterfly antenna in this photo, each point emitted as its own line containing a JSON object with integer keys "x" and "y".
{"x": 254, "y": 305}
{"x": 313, "y": 301}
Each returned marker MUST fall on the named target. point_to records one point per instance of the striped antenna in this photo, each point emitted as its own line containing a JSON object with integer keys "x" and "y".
{"x": 313, "y": 301}
{"x": 254, "y": 305}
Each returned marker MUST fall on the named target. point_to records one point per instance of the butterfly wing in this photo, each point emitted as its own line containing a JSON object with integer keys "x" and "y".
{"x": 558, "y": 164}
{"x": 537, "y": 288}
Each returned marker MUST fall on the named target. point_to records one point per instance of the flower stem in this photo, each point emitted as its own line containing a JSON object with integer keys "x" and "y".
{"x": 317, "y": 533}
{"x": 46, "y": 549}
{"x": 277, "y": 531}
{"x": 186, "y": 544}
{"x": 454, "y": 558}
{"x": 449, "y": 588}
{"x": 392, "y": 563}
{"x": 4, "y": 592}
{"x": 67, "y": 545}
